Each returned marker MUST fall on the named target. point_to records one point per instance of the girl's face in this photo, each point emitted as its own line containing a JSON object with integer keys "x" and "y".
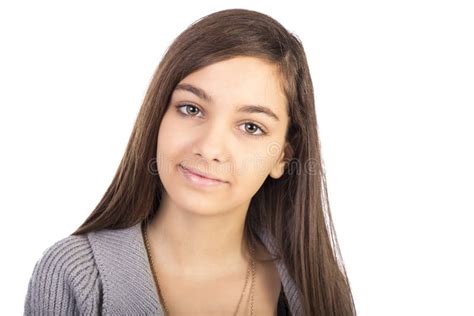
{"x": 227, "y": 120}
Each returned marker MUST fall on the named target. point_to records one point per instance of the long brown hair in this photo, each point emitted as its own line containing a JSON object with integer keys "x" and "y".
{"x": 294, "y": 208}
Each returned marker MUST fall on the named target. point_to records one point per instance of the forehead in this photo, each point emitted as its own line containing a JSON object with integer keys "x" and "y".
{"x": 239, "y": 80}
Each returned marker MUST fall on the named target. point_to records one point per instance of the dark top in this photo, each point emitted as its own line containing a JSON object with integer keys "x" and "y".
{"x": 282, "y": 307}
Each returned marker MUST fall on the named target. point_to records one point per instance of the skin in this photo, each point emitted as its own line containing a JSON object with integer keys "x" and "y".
{"x": 198, "y": 232}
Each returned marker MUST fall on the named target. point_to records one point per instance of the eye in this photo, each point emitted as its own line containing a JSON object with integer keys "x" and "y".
{"x": 256, "y": 127}
{"x": 194, "y": 110}
{"x": 187, "y": 106}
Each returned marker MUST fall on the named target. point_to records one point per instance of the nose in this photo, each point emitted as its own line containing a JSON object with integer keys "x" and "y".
{"x": 210, "y": 143}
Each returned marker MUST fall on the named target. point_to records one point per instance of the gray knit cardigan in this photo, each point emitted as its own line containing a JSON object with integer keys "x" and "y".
{"x": 107, "y": 272}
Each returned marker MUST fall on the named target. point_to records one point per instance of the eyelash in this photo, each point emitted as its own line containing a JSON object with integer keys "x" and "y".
{"x": 178, "y": 107}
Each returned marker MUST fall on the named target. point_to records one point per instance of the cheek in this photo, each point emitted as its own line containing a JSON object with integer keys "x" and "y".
{"x": 252, "y": 172}
{"x": 168, "y": 146}
{"x": 170, "y": 138}
{"x": 255, "y": 166}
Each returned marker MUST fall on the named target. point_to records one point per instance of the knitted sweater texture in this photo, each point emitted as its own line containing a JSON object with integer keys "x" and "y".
{"x": 107, "y": 272}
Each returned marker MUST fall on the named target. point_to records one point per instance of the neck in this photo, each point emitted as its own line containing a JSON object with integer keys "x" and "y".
{"x": 198, "y": 245}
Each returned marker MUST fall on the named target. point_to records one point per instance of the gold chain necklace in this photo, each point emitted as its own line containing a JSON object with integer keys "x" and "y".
{"x": 160, "y": 294}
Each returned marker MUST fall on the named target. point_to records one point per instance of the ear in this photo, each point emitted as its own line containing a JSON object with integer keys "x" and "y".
{"x": 279, "y": 168}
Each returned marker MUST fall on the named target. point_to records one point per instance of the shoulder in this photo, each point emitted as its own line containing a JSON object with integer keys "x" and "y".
{"x": 67, "y": 258}
{"x": 64, "y": 278}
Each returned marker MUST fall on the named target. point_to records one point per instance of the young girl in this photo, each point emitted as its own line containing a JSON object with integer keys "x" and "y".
{"x": 219, "y": 205}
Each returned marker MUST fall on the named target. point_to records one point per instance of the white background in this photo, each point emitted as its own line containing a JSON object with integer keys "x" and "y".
{"x": 394, "y": 100}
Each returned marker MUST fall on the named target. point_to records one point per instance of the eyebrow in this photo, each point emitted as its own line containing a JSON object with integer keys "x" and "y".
{"x": 200, "y": 93}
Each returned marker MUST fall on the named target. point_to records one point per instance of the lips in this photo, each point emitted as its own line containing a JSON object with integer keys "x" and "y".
{"x": 201, "y": 174}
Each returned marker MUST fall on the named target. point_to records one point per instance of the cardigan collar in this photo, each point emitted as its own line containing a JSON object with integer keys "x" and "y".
{"x": 126, "y": 274}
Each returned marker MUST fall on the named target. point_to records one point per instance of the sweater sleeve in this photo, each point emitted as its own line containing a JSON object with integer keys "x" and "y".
{"x": 65, "y": 280}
